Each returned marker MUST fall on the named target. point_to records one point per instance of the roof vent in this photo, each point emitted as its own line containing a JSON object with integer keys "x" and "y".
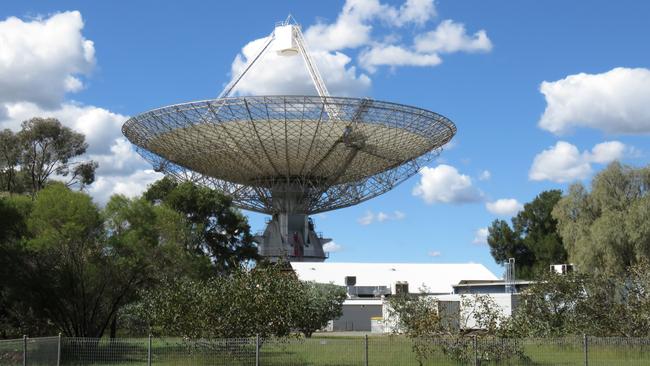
{"x": 350, "y": 280}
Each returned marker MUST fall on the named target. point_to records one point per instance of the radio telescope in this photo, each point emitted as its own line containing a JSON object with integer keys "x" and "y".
{"x": 290, "y": 156}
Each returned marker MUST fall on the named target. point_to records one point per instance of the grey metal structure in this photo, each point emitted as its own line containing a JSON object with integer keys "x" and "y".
{"x": 290, "y": 156}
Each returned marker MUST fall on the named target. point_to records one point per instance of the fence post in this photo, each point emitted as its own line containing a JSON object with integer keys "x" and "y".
{"x": 475, "y": 342}
{"x": 149, "y": 351}
{"x": 257, "y": 350}
{"x": 58, "y": 350}
{"x": 24, "y": 350}
{"x": 365, "y": 358}
{"x": 585, "y": 346}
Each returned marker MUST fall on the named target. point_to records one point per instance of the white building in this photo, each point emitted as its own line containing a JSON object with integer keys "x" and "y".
{"x": 369, "y": 283}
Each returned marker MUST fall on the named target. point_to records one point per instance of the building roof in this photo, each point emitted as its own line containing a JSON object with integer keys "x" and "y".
{"x": 436, "y": 278}
{"x": 500, "y": 282}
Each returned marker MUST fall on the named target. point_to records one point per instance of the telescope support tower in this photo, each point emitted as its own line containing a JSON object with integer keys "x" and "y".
{"x": 291, "y": 237}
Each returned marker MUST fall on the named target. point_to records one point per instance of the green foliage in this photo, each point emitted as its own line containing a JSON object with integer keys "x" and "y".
{"x": 586, "y": 303}
{"x": 71, "y": 267}
{"x": 68, "y": 266}
{"x": 320, "y": 303}
{"x": 268, "y": 301}
{"x": 42, "y": 148}
{"x": 217, "y": 230}
{"x": 432, "y": 328}
{"x": 9, "y": 160}
{"x": 608, "y": 229}
{"x": 14, "y": 211}
{"x": 47, "y": 148}
{"x": 533, "y": 239}
{"x": 417, "y": 316}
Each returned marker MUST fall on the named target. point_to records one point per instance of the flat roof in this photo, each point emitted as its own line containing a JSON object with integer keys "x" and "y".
{"x": 479, "y": 283}
{"x": 436, "y": 278}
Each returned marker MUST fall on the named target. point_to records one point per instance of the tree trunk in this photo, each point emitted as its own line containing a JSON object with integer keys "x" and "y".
{"x": 114, "y": 327}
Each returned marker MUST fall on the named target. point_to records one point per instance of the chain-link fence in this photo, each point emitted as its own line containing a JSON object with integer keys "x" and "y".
{"x": 322, "y": 350}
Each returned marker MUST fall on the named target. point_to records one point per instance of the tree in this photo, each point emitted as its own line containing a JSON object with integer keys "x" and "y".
{"x": 80, "y": 265}
{"x": 533, "y": 239}
{"x": 49, "y": 148}
{"x": 321, "y": 303}
{"x": 432, "y": 329}
{"x": 217, "y": 230}
{"x": 148, "y": 244}
{"x": 267, "y": 301}
{"x": 9, "y": 159}
{"x": 14, "y": 322}
{"x": 586, "y": 303}
{"x": 607, "y": 230}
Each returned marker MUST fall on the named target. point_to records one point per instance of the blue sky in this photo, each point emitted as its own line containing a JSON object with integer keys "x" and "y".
{"x": 594, "y": 56}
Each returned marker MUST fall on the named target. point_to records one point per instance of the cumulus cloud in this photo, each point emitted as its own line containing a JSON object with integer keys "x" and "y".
{"x": 615, "y": 101}
{"x": 450, "y": 37}
{"x": 606, "y": 152}
{"x": 485, "y": 175}
{"x": 563, "y": 162}
{"x": 100, "y": 126}
{"x": 353, "y": 26}
{"x": 371, "y": 217}
{"x": 130, "y": 185}
{"x": 395, "y": 56}
{"x": 42, "y": 59}
{"x": 480, "y": 236}
{"x": 444, "y": 184}
{"x": 274, "y": 74}
{"x": 504, "y": 207}
{"x": 353, "y": 30}
{"x": 332, "y": 247}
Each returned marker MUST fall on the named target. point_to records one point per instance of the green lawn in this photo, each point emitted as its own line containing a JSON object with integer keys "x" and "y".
{"x": 317, "y": 351}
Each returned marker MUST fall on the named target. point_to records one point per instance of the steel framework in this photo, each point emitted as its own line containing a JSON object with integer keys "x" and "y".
{"x": 263, "y": 150}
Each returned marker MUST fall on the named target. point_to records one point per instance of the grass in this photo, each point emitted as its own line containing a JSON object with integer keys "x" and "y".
{"x": 317, "y": 351}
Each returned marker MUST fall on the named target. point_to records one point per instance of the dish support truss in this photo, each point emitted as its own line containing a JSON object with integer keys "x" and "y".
{"x": 289, "y": 35}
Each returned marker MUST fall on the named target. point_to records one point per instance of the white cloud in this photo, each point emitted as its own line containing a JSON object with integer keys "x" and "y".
{"x": 485, "y": 175}
{"x": 504, "y": 207}
{"x": 392, "y": 55}
{"x": 606, "y": 152}
{"x": 353, "y": 29}
{"x": 371, "y": 217}
{"x": 560, "y": 163}
{"x": 434, "y": 253}
{"x": 274, "y": 74}
{"x": 615, "y": 101}
{"x": 122, "y": 159}
{"x": 416, "y": 11}
{"x": 451, "y": 37}
{"x": 480, "y": 236}
{"x": 563, "y": 162}
{"x": 444, "y": 184}
{"x": 367, "y": 218}
{"x": 41, "y": 59}
{"x": 332, "y": 247}
{"x": 100, "y": 126}
{"x": 129, "y": 185}
{"x": 353, "y": 26}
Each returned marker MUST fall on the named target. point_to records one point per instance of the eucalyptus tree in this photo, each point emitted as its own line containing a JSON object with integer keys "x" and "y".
{"x": 533, "y": 239}
{"x": 607, "y": 229}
